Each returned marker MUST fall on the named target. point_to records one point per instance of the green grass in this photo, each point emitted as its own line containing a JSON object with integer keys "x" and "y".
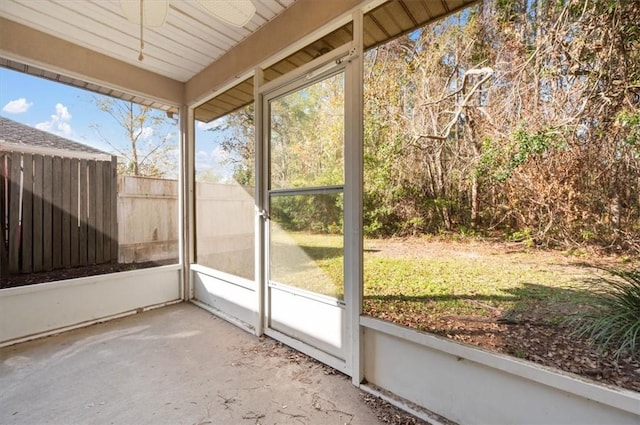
{"x": 308, "y": 261}
{"x": 400, "y": 288}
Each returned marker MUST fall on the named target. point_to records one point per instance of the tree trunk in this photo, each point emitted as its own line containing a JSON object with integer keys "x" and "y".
{"x": 474, "y": 201}
{"x": 614, "y": 212}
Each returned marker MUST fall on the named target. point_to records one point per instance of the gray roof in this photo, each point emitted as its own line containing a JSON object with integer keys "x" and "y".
{"x": 20, "y": 134}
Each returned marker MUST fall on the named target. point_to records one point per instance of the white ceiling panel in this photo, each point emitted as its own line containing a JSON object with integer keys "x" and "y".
{"x": 188, "y": 42}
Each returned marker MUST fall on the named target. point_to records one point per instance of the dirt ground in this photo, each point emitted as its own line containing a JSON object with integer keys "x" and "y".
{"x": 62, "y": 274}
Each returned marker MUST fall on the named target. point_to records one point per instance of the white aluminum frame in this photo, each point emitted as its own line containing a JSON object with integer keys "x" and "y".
{"x": 333, "y": 63}
{"x": 353, "y": 195}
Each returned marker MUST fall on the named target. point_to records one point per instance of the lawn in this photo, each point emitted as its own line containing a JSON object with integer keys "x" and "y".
{"x": 309, "y": 261}
{"x": 418, "y": 276}
{"x": 409, "y": 280}
{"x": 498, "y": 296}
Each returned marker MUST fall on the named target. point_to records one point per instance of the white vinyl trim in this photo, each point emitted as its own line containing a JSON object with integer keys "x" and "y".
{"x": 328, "y": 359}
{"x": 31, "y": 311}
{"x": 87, "y": 323}
{"x": 225, "y": 316}
{"x": 185, "y": 195}
{"x": 46, "y": 286}
{"x": 226, "y": 277}
{"x": 310, "y": 295}
{"x": 622, "y": 399}
{"x": 261, "y": 189}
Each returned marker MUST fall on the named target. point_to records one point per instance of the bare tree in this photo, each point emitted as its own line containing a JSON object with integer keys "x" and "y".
{"x": 149, "y": 136}
{"x": 512, "y": 116}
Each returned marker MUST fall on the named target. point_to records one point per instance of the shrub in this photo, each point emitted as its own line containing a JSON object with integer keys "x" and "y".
{"x": 614, "y": 323}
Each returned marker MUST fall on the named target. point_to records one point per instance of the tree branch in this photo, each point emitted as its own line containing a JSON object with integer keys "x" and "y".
{"x": 486, "y": 74}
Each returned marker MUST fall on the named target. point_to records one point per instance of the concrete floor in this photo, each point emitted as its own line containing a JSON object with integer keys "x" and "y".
{"x": 174, "y": 365}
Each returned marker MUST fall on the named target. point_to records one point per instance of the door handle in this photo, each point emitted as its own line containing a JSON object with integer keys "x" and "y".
{"x": 264, "y": 214}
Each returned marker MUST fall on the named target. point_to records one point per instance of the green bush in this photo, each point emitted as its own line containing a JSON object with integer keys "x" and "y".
{"x": 614, "y": 323}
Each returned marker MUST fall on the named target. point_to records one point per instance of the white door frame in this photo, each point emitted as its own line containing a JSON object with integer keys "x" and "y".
{"x": 343, "y": 59}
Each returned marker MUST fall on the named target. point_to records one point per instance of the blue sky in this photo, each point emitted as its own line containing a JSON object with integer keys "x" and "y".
{"x": 54, "y": 107}
{"x": 71, "y": 113}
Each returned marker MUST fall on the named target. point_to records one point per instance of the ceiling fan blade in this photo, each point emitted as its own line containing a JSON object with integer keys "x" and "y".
{"x": 233, "y": 12}
{"x": 154, "y": 11}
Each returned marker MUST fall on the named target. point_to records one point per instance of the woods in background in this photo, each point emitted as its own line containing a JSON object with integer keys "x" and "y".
{"x": 519, "y": 118}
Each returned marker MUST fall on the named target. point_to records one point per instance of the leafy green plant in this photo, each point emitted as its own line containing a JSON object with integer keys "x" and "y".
{"x": 525, "y": 236}
{"x": 631, "y": 122}
{"x": 614, "y": 323}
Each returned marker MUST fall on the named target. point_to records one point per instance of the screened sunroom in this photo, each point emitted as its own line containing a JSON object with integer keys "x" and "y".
{"x": 264, "y": 219}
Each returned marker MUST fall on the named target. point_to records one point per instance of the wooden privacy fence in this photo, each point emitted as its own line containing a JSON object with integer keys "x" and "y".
{"x": 57, "y": 211}
{"x": 225, "y": 227}
{"x": 147, "y": 219}
{"x": 60, "y": 212}
{"x": 148, "y": 222}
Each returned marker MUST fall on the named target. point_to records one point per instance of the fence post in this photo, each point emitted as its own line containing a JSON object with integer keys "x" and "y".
{"x": 4, "y": 257}
{"x": 56, "y": 224}
{"x": 47, "y": 213}
{"x": 38, "y": 212}
{"x": 14, "y": 172}
{"x": 83, "y": 236}
{"x": 26, "y": 223}
{"x": 113, "y": 175}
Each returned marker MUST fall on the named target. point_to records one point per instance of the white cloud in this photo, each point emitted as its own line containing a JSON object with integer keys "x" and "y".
{"x": 59, "y": 123}
{"x": 147, "y": 133}
{"x": 17, "y": 106}
{"x": 214, "y": 158}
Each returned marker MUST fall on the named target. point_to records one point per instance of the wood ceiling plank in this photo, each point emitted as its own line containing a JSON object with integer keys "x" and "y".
{"x": 418, "y": 10}
{"x": 374, "y": 29}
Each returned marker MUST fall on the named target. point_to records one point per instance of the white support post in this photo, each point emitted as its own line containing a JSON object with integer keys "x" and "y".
{"x": 353, "y": 267}
{"x": 186, "y": 199}
{"x": 259, "y": 193}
